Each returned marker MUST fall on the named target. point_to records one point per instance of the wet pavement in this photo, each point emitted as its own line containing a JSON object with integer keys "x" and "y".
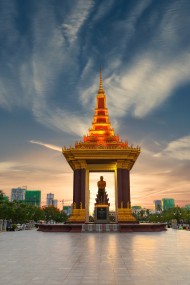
{"x": 32, "y": 257}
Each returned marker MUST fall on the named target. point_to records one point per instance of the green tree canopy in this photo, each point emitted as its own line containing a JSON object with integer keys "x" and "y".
{"x": 53, "y": 214}
{"x": 1, "y": 196}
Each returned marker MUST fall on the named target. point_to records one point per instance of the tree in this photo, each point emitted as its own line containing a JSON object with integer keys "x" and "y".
{"x": 6, "y": 210}
{"x": 19, "y": 212}
{"x": 91, "y": 218}
{"x": 53, "y": 214}
{"x": 1, "y": 196}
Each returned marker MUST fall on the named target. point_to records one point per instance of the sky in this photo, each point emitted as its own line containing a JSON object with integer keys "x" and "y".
{"x": 51, "y": 53}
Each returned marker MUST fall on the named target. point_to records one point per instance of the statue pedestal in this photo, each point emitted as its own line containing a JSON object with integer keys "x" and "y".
{"x": 101, "y": 214}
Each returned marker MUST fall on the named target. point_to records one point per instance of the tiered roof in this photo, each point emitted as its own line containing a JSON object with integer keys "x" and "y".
{"x": 101, "y": 133}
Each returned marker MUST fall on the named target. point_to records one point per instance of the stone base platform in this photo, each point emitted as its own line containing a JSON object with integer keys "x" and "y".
{"x": 77, "y": 228}
{"x": 112, "y": 227}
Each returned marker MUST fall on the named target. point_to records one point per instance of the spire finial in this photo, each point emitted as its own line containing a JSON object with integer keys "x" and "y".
{"x": 101, "y": 89}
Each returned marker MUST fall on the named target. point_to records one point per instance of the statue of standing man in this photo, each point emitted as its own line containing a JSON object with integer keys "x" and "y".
{"x": 101, "y": 188}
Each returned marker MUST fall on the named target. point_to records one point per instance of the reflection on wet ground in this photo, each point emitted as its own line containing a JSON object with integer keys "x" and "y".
{"x": 31, "y": 257}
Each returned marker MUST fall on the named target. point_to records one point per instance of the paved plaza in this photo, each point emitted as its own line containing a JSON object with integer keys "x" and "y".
{"x": 32, "y": 257}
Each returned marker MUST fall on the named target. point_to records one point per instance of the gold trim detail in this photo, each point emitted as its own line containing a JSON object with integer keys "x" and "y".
{"x": 125, "y": 215}
{"x": 101, "y": 206}
{"x": 83, "y": 164}
{"x": 78, "y": 164}
{"x": 125, "y": 164}
{"x": 122, "y": 158}
{"x": 77, "y": 216}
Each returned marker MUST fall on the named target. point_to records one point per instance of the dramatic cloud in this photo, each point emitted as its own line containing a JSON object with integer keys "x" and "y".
{"x": 141, "y": 87}
{"x": 155, "y": 71}
{"x": 50, "y": 146}
{"x": 75, "y": 19}
{"x": 178, "y": 149}
{"x": 148, "y": 83}
{"x": 49, "y": 79}
{"x": 9, "y": 166}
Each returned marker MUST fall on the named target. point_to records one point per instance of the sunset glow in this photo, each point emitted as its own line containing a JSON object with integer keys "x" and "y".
{"x": 49, "y": 80}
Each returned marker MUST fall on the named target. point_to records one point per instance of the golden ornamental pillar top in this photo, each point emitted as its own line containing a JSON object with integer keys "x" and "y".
{"x": 101, "y": 89}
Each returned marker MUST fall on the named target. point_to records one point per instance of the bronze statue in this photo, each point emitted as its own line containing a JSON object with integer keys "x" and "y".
{"x": 101, "y": 188}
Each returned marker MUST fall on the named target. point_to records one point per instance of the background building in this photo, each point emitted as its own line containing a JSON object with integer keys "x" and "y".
{"x": 50, "y": 201}
{"x": 67, "y": 210}
{"x": 136, "y": 209}
{"x": 167, "y": 203}
{"x": 33, "y": 197}
{"x": 158, "y": 205}
{"x": 18, "y": 194}
{"x": 55, "y": 202}
{"x": 5, "y": 198}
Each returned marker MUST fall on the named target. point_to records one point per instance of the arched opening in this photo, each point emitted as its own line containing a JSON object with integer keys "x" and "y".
{"x": 94, "y": 177}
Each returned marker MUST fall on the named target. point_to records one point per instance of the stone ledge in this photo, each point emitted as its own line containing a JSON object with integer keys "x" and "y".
{"x": 78, "y": 228}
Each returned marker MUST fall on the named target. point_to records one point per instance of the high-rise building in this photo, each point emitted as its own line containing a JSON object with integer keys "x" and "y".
{"x": 55, "y": 202}
{"x": 158, "y": 205}
{"x": 136, "y": 207}
{"x": 33, "y": 197}
{"x": 167, "y": 203}
{"x": 18, "y": 194}
{"x": 50, "y": 201}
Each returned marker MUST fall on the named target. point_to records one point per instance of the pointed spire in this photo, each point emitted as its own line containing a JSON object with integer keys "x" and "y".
{"x": 101, "y": 89}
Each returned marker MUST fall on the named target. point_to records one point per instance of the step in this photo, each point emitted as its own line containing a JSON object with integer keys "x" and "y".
{"x": 100, "y": 228}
